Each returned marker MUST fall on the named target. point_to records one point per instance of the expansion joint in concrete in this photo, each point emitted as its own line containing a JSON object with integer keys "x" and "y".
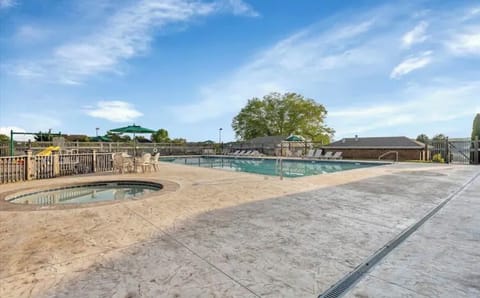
{"x": 194, "y": 253}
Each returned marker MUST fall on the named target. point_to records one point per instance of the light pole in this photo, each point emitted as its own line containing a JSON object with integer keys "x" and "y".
{"x": 220, "y": 135}
{"x": 96, "y": 130}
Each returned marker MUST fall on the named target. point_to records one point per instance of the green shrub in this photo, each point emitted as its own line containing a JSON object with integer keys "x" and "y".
{"x": 438, "y": 158}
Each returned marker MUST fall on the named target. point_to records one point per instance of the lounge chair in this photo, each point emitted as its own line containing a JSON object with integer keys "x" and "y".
{"x": 310, "y": 153}
{"x": 242, "y": 152}
{"x": 337, "y": 155}
{"x": 256, "y": 153}
{"x": 327, "y": 155}
{"x": 247, "y": 153}
{"x": 318, "y": 154}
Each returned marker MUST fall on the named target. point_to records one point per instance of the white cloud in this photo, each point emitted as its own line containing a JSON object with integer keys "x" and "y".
{"x": 466, "y": 43}
{"x": 410, "y": 64}
{"x": 125, "y": 34}
{"x": 115, "y": 111}
{"x": 7, "y": 3}
{"x": 303, "y": 58}
{"x": 425, "y": 106}
{"x": 238, "y": 7}
{"x": 416, "y": 35}
{"x": 472, "y": 13}
{"x": 5, "y": 130}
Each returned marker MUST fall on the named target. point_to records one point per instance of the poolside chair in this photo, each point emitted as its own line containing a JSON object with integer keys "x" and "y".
{"x": 318, "y": 154}
{"x": 248, "y": 153}
{"x": 337, "y": 155}
{"x": 155, "y": 161}
{"x": 121, "y": 163}
{"x": 146, "y": 162}
{"x": 288, "y": 153}
{"x": 298, "y": 153}
{"x": 256, "y": 153}
{"x": 310, "y": 153}
{"x": 240, "y": 153}
{"x": 327, "y": 155}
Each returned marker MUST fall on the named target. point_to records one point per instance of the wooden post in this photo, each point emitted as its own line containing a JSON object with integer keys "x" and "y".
{"x": 29, "y": 165}
{"x": 94, "y": 161}
{"x": 476, "y": 153}
{"x": 56, "y": 164}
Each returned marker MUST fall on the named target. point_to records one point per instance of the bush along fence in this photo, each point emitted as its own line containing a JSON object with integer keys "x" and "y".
{"x": 31, "y": 167}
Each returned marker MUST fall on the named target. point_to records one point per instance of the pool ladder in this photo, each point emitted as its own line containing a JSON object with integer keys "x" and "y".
{"x": 279, "y": 167}
{"x": 387, "y": 153}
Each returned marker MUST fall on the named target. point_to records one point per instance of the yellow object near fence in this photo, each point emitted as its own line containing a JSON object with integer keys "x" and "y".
{"x": 48, "y": 151}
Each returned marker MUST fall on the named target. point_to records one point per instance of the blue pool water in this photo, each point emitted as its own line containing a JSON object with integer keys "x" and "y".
{"x": 88, "y": 193}
{"x": 291, "y": 168}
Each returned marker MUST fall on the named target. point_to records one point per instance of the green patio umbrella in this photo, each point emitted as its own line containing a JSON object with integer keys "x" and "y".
{"x": 133, "y": 129}
{"x": 295, "y": 138}
{"x": 100, "y": 139}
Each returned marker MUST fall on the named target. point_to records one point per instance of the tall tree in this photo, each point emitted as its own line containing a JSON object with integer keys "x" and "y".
{"x": 160, "y": 136}
{"x": 476, "y": 127}
{"x": 4, "y": 138}
{"x": 179, "y": 141}
{"x": 439, "y": 137}
{"x": 423, "y": 138}
{"x": 282, "y": 114}
{"x": 118, "y": 138}
{"x": 43, "y": 136}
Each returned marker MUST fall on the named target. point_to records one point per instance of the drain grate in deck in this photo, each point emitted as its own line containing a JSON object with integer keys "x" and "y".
{"x": 353, "y": 277}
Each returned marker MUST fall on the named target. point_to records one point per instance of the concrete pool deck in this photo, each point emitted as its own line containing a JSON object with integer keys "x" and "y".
{"x": 229, "y": 234}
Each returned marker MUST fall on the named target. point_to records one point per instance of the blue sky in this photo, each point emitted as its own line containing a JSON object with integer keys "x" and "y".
{"x": 381, "y": 68}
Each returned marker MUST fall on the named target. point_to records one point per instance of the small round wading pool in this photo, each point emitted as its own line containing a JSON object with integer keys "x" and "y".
{"x": 87, "y": 193}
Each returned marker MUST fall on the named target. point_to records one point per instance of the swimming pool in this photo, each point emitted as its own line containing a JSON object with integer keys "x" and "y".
{"x": 271, "y": 167}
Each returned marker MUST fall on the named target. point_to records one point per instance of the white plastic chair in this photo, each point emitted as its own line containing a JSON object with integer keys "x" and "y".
{"x": 146, "y": 162}
{"x": 155, "y": 161}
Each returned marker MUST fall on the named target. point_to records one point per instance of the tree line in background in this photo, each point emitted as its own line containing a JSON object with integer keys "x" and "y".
{"x": 441, "y": 137}
{"x": 160, "y": 136}
{"x": 275, "y": 114}
{"x": 426, "y": 140}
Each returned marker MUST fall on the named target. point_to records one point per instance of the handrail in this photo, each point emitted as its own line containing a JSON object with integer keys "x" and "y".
{"x": 389, "y": 152}
{"x": 279, "y": 167}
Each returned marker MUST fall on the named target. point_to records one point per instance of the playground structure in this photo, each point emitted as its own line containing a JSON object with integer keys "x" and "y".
{"x": 46, "y": 152}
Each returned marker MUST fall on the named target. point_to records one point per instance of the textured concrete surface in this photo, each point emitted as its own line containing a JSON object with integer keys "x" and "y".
{"x": 441, "y": 259}
{"x": 221, "y": 234}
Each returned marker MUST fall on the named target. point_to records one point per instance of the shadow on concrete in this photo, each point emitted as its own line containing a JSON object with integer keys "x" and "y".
{"x": 294, "y": 246}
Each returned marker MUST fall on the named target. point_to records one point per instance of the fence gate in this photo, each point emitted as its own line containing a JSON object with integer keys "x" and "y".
{"x": 464, "y": 151}
{"x": 459, "y": 151}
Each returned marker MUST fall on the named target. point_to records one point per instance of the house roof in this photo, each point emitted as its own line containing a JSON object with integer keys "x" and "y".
{"x": 377, "y": 143}
{"x": 267, "y": 140}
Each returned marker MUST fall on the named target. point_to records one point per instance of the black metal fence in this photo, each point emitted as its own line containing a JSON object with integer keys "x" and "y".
{"x": 458, "y": 150}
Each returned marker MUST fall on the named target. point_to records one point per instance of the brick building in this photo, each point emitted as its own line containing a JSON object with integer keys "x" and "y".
{"x": 373, "y": 148}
